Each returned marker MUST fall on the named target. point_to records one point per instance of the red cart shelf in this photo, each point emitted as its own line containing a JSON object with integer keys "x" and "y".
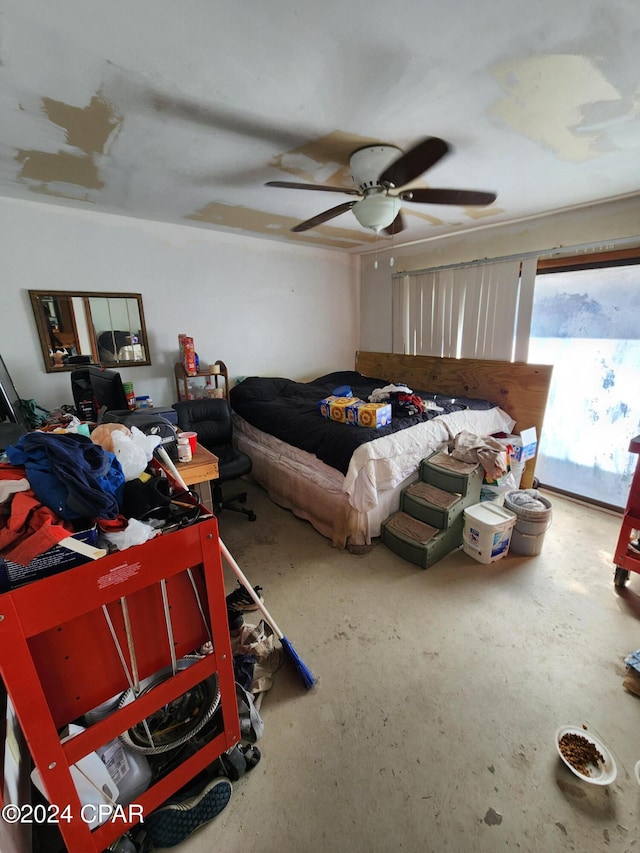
{"x": 58, "y": 660}
{"x": 626, "y": 561}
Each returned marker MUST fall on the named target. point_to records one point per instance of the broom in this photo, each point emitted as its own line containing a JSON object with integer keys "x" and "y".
{"x": 294, "y": 657}
{"x": 305, "y": 672}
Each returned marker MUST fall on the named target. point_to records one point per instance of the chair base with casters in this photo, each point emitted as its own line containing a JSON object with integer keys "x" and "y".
{"x": 211, "y": 420}
{"x": 220, "y": 503}
{"x": 232, "y": 464}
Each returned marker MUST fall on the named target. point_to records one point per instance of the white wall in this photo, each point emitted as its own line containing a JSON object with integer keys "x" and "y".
{"x": 606, "y": 226}
{"x": 261, "y": 306}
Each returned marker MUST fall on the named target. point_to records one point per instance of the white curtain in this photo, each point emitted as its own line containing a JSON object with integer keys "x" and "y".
{"x": 480, "y": 310}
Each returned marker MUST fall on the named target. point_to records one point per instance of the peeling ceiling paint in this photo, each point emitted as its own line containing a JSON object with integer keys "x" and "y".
{"x": 324, "y": 160}
{"x": 143, "y": 110}
{"x": 482, "y": 212}
{"x": 87, "y": 128}
{"x": 547, "y": 98}
{"x": 46, "y": 189}
{"x": 59, "y": 167}
{"x": 268, "y": 224}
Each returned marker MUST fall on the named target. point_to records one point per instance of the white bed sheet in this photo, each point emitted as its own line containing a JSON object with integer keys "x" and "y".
{"x": 379, "y": 469}
{"x": 383, "y": 463}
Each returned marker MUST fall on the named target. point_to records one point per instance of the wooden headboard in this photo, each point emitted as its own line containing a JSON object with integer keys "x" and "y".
{"x": 520, "y": 389}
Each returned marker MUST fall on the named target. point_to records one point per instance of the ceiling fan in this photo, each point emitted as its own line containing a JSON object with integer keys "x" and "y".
{"x": 377, "y": 169}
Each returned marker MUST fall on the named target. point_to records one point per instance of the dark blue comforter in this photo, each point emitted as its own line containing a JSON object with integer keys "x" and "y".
{"x": 289, "y": 411}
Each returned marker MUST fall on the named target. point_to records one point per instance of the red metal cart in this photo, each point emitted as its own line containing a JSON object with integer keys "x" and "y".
{"x": 625, "y": 558}
{"x": 59, "y": 659}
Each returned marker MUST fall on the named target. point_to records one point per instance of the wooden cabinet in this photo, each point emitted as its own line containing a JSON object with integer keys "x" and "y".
{"x": 202, "y": 383}
{"x": 626, "y": 559}
{"x": 59, "y": 659}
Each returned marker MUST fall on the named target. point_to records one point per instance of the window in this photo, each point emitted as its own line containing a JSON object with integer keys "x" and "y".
{"x": 586, "y": 322}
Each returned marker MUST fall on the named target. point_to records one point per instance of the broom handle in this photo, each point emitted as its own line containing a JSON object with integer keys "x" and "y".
{"x": 166, "y": 459}
{"x": 245, "y": 583}
{"x": 225, "y": 552}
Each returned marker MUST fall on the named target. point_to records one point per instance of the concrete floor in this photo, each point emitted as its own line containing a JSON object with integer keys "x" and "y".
{"x": 431, "y": 727}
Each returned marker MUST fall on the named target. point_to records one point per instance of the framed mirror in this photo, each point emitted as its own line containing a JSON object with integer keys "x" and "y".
{"x": 109, "y": 328}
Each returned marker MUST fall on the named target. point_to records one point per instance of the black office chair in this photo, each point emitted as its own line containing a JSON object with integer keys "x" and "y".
{"x": 211, "y": 420}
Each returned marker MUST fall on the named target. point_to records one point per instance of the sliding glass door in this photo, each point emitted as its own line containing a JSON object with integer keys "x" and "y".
{"x": 586, "y": 322}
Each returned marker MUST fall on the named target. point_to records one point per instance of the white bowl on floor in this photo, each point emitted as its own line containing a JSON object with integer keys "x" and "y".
{"x": 602, "y": 773}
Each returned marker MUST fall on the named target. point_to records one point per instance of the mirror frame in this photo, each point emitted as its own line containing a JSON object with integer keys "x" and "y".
{"x": 85, "y": 296}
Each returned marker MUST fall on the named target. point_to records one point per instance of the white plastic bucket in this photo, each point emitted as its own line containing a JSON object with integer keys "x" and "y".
{"x": 487, "y": 531}
{"x": 531, "y": 525}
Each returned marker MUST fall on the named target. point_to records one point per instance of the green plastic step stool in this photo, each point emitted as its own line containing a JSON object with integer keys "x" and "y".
{"x": 452, "y": 475}
{"x": 430, "y": 504}
{"x": 420, "y": 543}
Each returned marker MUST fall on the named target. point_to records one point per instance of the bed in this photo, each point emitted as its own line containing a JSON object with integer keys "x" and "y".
{"x": 346, "y": 480}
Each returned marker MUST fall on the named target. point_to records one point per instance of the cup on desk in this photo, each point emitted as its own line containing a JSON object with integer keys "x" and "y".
{"x": 193, "y": 439}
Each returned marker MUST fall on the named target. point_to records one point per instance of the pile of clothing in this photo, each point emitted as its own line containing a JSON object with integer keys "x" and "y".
{"x": 404, "y": 403}
{"x": 489, "y": 452}
{"x": 55, "y": 484}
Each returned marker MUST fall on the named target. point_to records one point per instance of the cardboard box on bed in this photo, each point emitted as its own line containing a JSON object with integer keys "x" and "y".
{"x": 373, "y": 415}
{"x": 335, "y": 408}
{"x": 354, "y": 411}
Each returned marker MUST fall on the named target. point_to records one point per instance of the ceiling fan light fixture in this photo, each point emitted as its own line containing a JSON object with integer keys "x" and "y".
{"x": 376, "y": 211}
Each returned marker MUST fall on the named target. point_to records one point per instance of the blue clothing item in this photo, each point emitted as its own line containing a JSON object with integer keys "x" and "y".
{"x": 70, "y": 474}
{"x": 633, "y": 660}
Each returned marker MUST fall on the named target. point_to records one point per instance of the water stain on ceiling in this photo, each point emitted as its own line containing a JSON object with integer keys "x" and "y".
{"x": 86, "y": 130}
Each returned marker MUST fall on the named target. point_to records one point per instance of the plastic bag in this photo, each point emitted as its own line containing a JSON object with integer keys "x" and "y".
{"x": 135, "y": 533}
{"x": 133, "y": 451}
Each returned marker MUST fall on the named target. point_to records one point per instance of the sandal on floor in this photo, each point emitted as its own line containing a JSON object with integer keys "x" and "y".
{"x": 251, "y": 723}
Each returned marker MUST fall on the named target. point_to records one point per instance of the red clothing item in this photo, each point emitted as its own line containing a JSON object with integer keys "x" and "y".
{"x": 30, "y": 529}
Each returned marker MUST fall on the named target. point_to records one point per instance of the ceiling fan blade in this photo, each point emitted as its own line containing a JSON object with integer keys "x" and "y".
{"x": 219, "y": 117}
{"x": 323, "y": 217}
{"x": 292, "y": 185}
{"x": 414, "y": 162}
{"x": 396, "y": 226}
{"x": 440, "y": 196}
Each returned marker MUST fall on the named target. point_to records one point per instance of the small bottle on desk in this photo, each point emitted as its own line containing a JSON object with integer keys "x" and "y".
{"x": 184, "y": 450}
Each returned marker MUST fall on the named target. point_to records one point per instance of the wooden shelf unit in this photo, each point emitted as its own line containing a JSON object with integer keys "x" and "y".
{"x": 626, "y": 561}
{"x": 58, "y": 660}
{"x": 221, "y": 379}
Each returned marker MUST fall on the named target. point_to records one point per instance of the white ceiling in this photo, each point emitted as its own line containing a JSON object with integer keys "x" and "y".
{"x": 181, "y": 111}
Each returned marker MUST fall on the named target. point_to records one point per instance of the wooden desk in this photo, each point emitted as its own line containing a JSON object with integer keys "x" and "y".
{"x": 199, "y": 472}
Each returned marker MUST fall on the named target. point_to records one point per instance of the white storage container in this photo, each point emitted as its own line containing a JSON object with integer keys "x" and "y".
{"x": 130, "y": 770}
{"x": 487, "y": 531}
